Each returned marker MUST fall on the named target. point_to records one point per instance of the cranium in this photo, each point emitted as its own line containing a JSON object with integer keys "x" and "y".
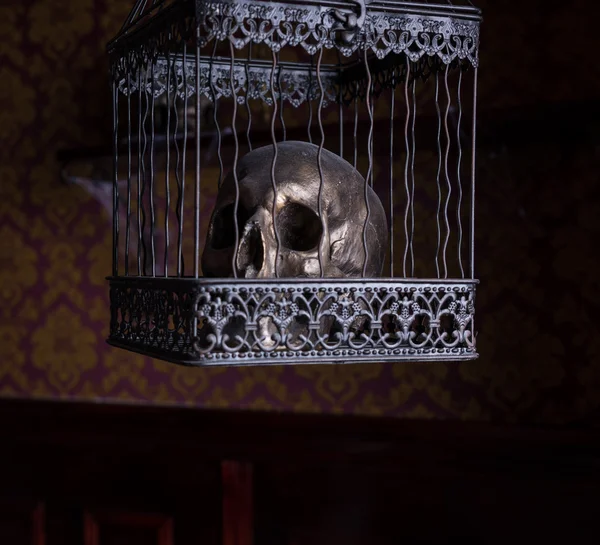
{"x": 339, "y": 235}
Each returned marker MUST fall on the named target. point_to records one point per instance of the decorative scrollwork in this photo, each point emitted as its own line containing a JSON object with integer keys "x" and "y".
{"x": 439, "y": 33}
{"x": 314, "y": 26}
{"x": 293, "y": 84}
{"x": 235, "y": 322}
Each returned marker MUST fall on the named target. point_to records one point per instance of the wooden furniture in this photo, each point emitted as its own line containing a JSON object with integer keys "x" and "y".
{"x": 96, "y": 474}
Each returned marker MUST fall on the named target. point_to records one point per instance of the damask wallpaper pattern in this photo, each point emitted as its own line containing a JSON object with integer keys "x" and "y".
{"x": 537, "y": 222}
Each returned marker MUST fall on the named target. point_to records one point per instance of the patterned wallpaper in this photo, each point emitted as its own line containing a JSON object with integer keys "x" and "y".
{"x": 537, "y": 222}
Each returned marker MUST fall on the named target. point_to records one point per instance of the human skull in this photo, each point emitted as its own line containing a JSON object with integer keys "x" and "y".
{"x": 301, "y": 232}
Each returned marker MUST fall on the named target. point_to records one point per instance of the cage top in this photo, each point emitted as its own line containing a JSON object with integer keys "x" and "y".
{"x": 146, "y": 8}
{"x": 448, "y": 30}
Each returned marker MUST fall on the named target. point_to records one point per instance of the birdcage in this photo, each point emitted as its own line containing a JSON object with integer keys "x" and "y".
{"x": 294, "y": 182}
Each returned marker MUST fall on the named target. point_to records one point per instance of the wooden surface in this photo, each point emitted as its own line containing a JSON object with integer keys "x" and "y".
{"x": 109, "y": 475}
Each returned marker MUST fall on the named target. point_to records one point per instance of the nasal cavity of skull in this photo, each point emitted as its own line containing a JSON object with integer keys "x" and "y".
{"x": 251, "y": 256}
{"x": 223, "y": 226}
{"x": 299, "y": 228}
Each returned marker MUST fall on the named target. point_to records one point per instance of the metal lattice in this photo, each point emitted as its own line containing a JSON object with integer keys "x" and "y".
{"x": 384, "y": 84}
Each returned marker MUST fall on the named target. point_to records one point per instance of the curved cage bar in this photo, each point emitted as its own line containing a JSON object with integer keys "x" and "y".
{"x": 210, "y": 268}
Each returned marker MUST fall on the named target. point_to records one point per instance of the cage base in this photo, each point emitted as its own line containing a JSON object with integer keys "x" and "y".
{"x": 234, "y": 322}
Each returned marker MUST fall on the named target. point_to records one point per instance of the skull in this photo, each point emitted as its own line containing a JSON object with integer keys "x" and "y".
{"x": 336, "y": 234}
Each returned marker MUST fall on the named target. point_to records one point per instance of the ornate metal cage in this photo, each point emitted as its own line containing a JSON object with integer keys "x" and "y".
{"x": 389, "y": 85}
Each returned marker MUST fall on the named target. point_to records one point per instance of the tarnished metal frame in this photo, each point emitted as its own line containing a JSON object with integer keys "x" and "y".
{"x": 383, "y": 27}
{"x": 241, "y": 322}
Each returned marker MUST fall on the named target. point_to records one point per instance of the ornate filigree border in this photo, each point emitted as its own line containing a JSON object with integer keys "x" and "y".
{"x": 203, "y": 322}
{"x": 318, "y": 26}
{"x": 293, "y": 83}
{"x": 442, "y": 33}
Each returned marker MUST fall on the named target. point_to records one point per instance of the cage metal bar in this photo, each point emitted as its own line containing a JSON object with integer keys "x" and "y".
{"x": 143, "y": 191}
{"x": 381, "y": 3}
{"x": 319, "y": 163}
{"x": 446, "y": 171}
{"x": 139, "y": 178}
{"x": 473, "y": 147}
{"x": 406, "y": 163}
{"x": 167, "y": 169}
{"x": 180, "y": 259}
{"x": 341, "y": 122}
{"x": 152, "y": 167}
{"x": 235, "y": 162}
{"x": 255, "y": 63}
{"x": 391, "y": 185}
{"x": 273, "y": 163}
{"x": 128, "y": 223}
{"x": 308, "y": 99}
{"x": 406, "y": 8}
{"x": 248, "y": 109}
{"x": 115, "y": 96}
{"x": 452, "y": 284}
{"x": 458, "y": 176}
{"x": 370, "y": 167}
{"x": 215, "y": 103}
{"x": 340, "y": 104}
{"x": 139, "y": 28}
{"x": 412, "y": 178}
{"x": 355, "y": 132}
{"x": 439, "y": 171}
{"x": 198, "y": 164}
{"x": 281, "y": 119}
{"x": 424, "y": 5}
{"x": 371, "y": 143}
{"x": 178, "y": 204}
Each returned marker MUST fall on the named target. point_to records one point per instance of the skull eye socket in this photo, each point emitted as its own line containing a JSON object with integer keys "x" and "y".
{"x": 223, "y": 227}
{"x": 299, "y": 228}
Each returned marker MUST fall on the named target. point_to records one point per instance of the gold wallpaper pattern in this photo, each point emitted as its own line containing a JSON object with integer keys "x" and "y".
{"x": 537, "y": 224}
